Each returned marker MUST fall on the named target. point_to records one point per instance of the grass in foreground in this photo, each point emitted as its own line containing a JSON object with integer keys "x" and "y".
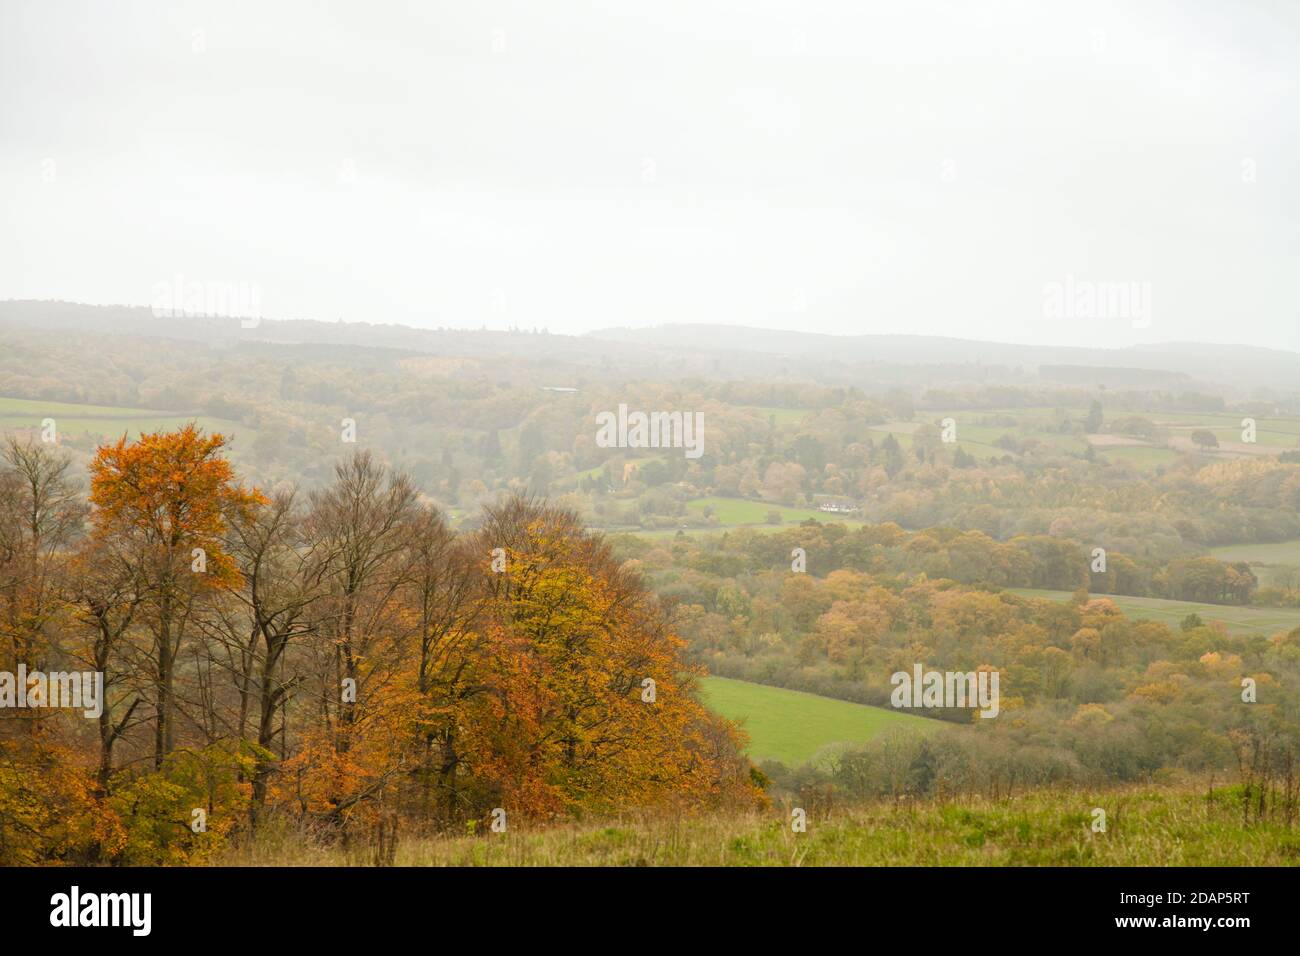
{"x": 794, "y": 727}
{"x": 1146, "y": 826}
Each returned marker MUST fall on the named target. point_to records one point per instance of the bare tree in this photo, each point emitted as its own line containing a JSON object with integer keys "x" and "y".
{"x": 107, "y": 593}
{"x": 360, "y": 528}
{"x": 280, "y": 579}
{"x": 448, "y": 593}
{"x": 41, "y": 514}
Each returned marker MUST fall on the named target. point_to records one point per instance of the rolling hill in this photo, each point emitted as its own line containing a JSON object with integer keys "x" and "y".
{"x": 794, "y": 727}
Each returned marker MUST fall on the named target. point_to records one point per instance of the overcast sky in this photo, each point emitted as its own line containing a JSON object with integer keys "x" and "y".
{"x": 845, "y": 167}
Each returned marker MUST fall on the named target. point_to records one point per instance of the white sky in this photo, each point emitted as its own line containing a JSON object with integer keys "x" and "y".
{"x": 844, "y": 167}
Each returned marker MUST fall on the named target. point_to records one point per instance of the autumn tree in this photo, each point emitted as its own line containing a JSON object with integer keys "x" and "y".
{"x": 41, "y": 513}
{"x": 344, "y": 657}
{"x": 591, "y": 705}
{"x": 105, "y": 595}
{"x": 447, "y": 594}
{"x": 360, "y": 528}
{"x": 279, "y": 579}
{"x": 160, "y": 505}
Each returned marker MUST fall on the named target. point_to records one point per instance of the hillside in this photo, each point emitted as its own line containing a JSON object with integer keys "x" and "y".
{"x": 796, "y": 728}
{"x": 1235, "y": 364}
{"x": 1238, "y": 620}
{"x": 1184, "y": 825}
{"x": 684, "y": 350}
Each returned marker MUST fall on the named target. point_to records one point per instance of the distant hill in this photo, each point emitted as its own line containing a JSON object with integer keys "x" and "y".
{"x": 1241, "y": 365}
{"x": 683, "y": 351}
{"x": 1114, "y": 376}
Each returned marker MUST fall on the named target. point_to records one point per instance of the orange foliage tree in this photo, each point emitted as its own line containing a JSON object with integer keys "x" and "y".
{"x": 342, "y": 659}
{"x": 161, "y": 504}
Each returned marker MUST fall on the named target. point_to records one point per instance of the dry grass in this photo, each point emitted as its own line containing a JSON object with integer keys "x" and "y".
{"x": 1146, "y": 826}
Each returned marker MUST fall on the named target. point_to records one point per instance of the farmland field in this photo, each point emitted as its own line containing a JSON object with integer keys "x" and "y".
{"x": 104, "y": 420}
{"x": 792, "y": 726}
{"x": 1268, "y": 561}
{"x": 970, "y": 439}
{"x": 735, "y": 513}
{"x": 978, "y": 431}
{"x": 783, "y": 416}
{"x": 1239, "y": 620}
{"x": 741, "y": 511}
{"x": 616, "y": 468}
{"x": 1142, "y": 457}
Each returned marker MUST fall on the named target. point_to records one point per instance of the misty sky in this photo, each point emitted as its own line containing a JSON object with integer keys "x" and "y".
{"x": 838, "y": 167}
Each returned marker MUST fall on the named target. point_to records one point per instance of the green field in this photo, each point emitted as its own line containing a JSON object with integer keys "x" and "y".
{"x": 979, "y": 440}
{"x": 617, "y": 467}
{"x": 1239, "y": 620}
{"x": 734, "y": 513}
{"x": 783, "y": 416}
{"x": 104, "y": 421}
{"x": 794, "y": 727}
{"x": 978, "y": 436}
{"x": 1263, "y": 436}
{"x": 1141, "y": 457}
{"x": 968, "y": 440}
{"x": 1268, "y": 561}
{"x": 1229, "y": 423}
{"x": 741, "y": 511}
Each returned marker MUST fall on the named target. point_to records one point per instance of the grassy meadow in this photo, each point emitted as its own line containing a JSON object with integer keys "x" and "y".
{"x": 1239, "y": 620}
{"x": 796, "y": 728}
{"x": 1141, "y": 457}
{"x": 104, "y": 421}
{"x": 1273, "y": 563}
{"x": 781, "y": 416}
{"x": 1183, "y": 824}
{"x": 734, "y": 512}
{"x": 979, "y": 429}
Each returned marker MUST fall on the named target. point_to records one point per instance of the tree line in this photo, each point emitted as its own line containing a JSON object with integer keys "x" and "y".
{"x": 339, "y": 661}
